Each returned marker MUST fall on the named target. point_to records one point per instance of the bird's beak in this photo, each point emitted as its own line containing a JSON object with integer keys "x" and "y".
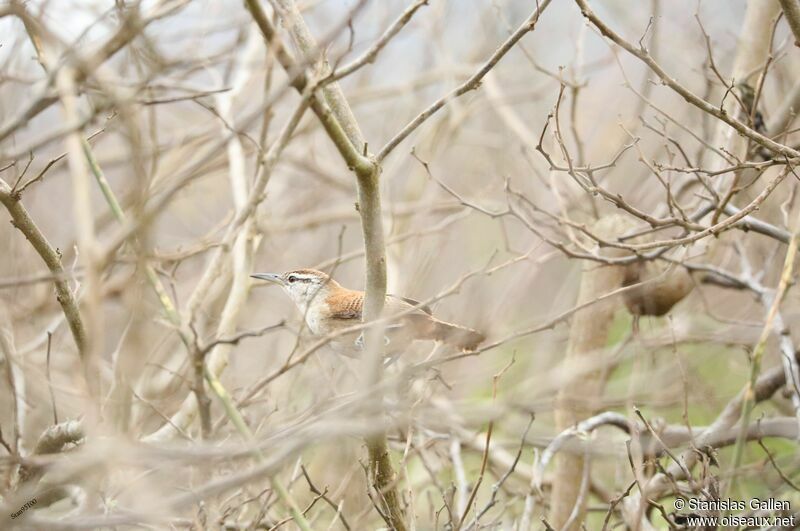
{"x": 269, "y": 277}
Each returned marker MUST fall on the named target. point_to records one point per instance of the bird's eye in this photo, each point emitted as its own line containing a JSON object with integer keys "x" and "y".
{"x": 291, "y": 279}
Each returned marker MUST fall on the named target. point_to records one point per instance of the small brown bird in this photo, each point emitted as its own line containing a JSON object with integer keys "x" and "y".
{"x": 659, "y": 291}
{"x": 329, "y": 307}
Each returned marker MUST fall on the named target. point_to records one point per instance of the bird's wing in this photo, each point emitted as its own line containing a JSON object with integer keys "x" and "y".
{"x": 353, "y": 305}
{"x": 349, "y": 307}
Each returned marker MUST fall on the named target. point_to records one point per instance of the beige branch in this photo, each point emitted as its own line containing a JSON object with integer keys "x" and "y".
{"x": 129, "y": 28}
{"x": 472, "y": 83}
{"x": 22, "y": 220}
{"x": 87, "y": 245}
{"x": 685, "y": 93}
{"x": 15, "y": 377}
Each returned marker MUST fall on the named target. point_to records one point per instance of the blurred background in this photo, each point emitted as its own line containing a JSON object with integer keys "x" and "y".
{"x": 179, "y": 121}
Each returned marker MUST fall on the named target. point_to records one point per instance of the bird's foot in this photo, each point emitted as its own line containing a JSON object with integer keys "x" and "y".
{"x": 361, "y": 341}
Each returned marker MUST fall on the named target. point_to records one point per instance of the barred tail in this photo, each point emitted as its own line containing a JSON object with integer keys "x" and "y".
{"x": 462, "y": 337}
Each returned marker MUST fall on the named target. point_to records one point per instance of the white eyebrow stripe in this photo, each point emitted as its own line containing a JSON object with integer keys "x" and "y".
{"x": 302, "y": 276}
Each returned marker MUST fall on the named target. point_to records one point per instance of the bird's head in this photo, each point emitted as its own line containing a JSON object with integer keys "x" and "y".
{"x": 302, "y": 285}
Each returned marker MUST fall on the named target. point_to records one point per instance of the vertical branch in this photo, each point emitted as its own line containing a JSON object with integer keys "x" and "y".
{"x": 84, "y": 222}
{"x": 369, "y": 207}
{"x": 576, "y": 399}
{"x": 334, "y": 96}
{"x": 751, "y": 54}
{"x": 245, "y": 241}
{"x": 15, "y": 377}
{"x": 460, "y": 476}
{"x": 343, "y": 131}
{"x": 22, "y": 220}
{"x": 748, "y": 401}
{"x": 126, "y": 369}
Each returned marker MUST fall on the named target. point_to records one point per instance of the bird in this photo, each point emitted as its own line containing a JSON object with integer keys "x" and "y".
{"x": 656, "y": 289}
{"x": 329, "y": 307}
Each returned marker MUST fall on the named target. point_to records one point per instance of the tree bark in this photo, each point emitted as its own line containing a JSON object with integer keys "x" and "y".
{"x": 577, "y": 398}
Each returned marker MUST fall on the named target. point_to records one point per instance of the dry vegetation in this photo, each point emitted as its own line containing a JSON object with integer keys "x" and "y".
{"x": 606, "y": 189}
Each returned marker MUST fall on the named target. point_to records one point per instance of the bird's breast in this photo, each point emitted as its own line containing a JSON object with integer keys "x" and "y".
{"x": 314, "y": 320}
